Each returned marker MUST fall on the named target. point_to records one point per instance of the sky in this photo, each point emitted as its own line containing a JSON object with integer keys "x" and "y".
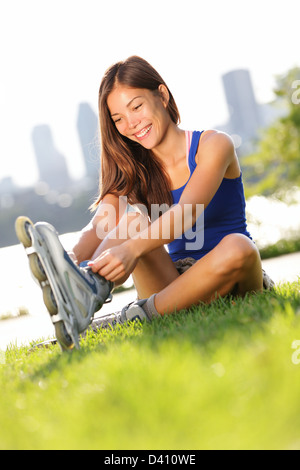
{"x": 55, "y": 52}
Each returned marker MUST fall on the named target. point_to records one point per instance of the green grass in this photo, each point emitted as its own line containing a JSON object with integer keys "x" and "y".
{"x": 282, "y": 247}
{"x": 216, "y": 377}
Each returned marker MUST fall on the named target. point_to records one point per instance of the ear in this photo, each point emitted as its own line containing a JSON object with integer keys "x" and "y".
{"x": 164, "y": 94}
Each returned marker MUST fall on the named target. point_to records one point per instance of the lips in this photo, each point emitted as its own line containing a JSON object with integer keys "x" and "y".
{"x": 144, "y": 132}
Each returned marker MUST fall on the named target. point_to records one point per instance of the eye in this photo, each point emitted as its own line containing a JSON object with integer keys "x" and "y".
{"x": 137, "y": 107}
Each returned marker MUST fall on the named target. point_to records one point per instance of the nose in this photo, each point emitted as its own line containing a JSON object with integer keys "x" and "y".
{"x": 132, "y": 123}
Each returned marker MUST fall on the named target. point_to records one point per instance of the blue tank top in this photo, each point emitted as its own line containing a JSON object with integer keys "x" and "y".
{"x": 224, "y": 214}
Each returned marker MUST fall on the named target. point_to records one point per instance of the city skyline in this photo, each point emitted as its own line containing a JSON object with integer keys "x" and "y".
{"x": 56, "y": 53}
{"x": 246, "y": 117}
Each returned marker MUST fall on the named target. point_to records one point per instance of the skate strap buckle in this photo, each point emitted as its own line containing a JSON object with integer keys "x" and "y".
{"x": 109, "y": 299}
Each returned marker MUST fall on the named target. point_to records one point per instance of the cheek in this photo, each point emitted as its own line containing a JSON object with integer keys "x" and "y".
{"x": 161, "y": 121}
{"x": 120, "y": 127}
{"x": 160, "y": 114}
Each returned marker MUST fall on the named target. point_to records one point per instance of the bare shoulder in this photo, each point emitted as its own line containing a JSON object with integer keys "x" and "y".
{"x": 110, "y": 204}
{"x": 110, "y": 199}
{"x": 216, "y": 139}
{"x": 217, "y": 143}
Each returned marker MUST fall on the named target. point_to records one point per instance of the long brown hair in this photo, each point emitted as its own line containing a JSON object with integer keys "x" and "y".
{"x": 127, "y": 168}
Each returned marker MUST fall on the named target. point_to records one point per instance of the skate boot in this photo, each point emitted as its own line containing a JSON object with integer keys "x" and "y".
{"x": 139, "y": 310}
{"x": 71, "y": 294}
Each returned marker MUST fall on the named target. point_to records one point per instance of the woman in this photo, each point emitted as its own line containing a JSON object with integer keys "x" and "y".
{"x": 184, "y": 191}
{"x": 149, "y": 160}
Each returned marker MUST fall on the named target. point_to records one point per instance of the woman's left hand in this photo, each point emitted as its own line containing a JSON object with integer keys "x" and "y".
{"x": 115, "y": 263}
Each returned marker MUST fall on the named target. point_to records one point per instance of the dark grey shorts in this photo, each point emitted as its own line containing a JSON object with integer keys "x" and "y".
{"x": 182, "y": 265}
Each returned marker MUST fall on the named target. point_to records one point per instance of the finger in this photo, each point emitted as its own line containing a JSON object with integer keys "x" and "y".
{"x": 107, "y": 272}
{"x": 112, "y": 272}
{"x": 98, "y": 263}
{"x": 116, "y": 275}
{"x": 111, "y": 267}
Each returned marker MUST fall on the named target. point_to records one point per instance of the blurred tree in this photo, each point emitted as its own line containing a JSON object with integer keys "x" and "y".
{"x": 275, "y": 167}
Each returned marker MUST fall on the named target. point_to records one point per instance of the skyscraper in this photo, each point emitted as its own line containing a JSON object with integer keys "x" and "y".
{"x": 51, "y": 164}
{"x": 243, "y": 109}
{"x": 88, "y": 130}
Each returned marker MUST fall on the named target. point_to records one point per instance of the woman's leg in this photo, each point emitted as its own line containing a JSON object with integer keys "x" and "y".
{"x": 153, "y": 273}
{"x": 233, "y": 264}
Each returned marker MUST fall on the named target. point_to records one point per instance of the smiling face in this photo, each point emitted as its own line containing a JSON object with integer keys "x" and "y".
{"x": 140, "y": 114}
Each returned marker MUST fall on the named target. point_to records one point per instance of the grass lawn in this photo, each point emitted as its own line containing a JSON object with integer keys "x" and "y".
{"x": 223, "y": 376}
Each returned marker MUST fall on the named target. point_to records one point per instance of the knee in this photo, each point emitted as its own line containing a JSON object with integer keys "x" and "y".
{"x": 239, "y": 254}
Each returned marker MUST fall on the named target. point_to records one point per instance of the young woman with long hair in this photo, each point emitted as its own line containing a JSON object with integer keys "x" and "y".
{"x": 146, "y": 157}
{"x": 195, "y": 245}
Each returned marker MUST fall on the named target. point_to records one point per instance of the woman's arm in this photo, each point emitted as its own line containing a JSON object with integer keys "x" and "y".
{"x": 216, "y": 155}
{"x": 110, "y": 210}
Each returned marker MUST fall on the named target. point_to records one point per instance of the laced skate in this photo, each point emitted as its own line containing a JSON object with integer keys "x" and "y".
{"x": 71, "y": 294}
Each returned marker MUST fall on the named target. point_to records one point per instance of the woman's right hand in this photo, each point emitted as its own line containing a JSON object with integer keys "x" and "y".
{"x": 116, "y": 263}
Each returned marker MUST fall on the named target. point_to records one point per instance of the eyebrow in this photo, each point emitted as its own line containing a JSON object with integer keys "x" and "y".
{"x": 127, "y": 106}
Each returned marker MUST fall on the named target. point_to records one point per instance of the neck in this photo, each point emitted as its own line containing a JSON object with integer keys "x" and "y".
{"x": 172, "y": 146}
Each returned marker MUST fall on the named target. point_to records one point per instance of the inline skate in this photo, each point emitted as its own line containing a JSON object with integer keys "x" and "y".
{"x": 71, "y": 294}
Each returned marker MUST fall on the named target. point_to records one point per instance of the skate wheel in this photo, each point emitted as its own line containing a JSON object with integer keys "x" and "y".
{"x": 63, "y": 337}
{"x": 21, "y": 227}
{"x": 49, "y": 300}
{"x": 37, "y": 267}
